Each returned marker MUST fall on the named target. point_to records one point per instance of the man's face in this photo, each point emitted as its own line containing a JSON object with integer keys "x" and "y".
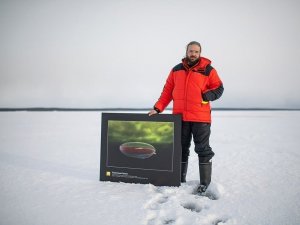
{"x": 193, "y": 53}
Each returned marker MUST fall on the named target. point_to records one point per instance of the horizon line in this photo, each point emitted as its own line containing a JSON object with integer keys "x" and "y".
{"x": 12, "y": 109}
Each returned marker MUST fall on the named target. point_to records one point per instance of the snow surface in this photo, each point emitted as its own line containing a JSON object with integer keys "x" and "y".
{"x": 49, "y": 174}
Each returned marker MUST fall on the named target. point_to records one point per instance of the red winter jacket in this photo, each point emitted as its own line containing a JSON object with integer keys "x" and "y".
{"x": 188, "y": 87}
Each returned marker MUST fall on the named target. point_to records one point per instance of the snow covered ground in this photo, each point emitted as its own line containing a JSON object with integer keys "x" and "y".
{"x": 49, "y": 171}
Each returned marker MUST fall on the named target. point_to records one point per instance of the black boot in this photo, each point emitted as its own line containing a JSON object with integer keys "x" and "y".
{"x": 205, "y": 176}
{"x": 184, "y": 166}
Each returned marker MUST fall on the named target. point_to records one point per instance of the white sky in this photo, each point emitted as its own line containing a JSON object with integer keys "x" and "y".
{"x": 119, "y": 53}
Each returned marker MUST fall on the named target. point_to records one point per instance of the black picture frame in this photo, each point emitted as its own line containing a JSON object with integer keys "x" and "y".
{"x": 138, "y": 148}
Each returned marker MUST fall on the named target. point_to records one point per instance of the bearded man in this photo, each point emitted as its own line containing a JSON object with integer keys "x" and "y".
{"x": 192, "y": 85}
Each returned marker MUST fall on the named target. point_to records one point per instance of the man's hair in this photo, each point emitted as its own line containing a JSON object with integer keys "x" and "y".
{"x": 193, "y": 43}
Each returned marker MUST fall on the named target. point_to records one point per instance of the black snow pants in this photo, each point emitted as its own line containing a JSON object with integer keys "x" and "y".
{"x": 201, "y": 133}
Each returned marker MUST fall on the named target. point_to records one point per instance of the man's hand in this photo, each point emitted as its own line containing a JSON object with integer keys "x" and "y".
{"x": 152, "y": 112}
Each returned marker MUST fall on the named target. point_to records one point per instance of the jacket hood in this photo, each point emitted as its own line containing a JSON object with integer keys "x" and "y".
{"x": 203, "y": 62}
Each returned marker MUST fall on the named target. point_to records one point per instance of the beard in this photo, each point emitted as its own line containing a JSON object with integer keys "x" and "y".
{"x": 192, "y": 60}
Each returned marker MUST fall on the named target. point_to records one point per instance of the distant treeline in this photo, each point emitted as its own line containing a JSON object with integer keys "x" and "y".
{"x": 40, "y": 109}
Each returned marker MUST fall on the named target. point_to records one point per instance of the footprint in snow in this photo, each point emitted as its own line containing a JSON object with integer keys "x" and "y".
{"x": 219, "y": 221}
{"x": 170, "y": 205}
{"x": 192, "y": 206}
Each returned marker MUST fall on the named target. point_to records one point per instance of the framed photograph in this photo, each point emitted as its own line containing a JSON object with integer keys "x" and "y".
{"x": 137, "y": 148}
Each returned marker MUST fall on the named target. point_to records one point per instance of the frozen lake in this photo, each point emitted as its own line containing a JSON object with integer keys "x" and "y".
{"x": 49, "y": 172}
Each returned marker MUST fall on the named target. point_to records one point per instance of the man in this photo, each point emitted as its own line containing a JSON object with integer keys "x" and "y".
{"x": 191, "y": 85}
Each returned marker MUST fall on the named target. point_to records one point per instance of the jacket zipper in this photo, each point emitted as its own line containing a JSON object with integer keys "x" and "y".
{"x": 186, "y": 89}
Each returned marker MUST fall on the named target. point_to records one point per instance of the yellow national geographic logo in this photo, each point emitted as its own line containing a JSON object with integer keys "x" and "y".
{"x": 108, "y": 173}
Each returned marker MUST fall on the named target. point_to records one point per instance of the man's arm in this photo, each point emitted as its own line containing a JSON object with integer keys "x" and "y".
{"x": 215, "y": 87}
{"x": 213, "y": 94}
{"x": 166, "y": 95}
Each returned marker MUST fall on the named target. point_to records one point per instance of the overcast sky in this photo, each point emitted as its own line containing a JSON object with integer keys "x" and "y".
{"x": 119, "y": 53}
